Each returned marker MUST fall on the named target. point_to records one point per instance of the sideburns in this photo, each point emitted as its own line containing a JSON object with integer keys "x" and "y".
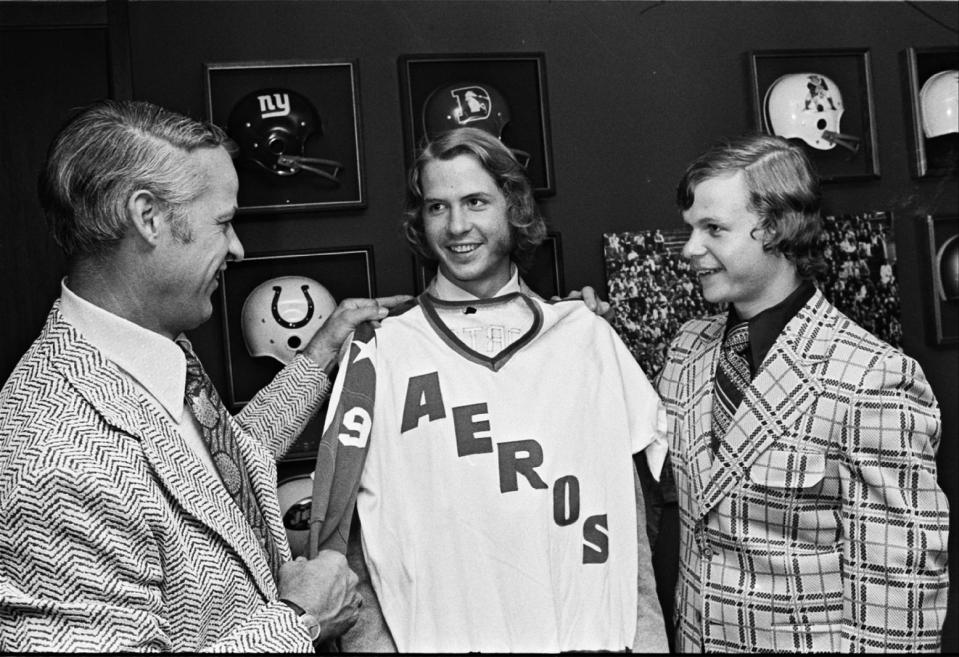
{"x": 180, "y": 229}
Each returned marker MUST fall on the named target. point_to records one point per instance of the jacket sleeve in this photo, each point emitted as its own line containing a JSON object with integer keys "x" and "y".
{"x": 108, "y": 596}
{"x": 278, "y": 413}
{"x": 895, "y": 517}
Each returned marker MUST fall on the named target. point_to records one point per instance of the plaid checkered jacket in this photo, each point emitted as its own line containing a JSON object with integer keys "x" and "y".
{"x": 819, "y": 524}
{"x": 113, "y": 535}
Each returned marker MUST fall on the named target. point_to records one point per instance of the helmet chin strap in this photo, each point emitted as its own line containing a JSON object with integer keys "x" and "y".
{"x": 297, "y": 163}
{"x": 840, "y": 139}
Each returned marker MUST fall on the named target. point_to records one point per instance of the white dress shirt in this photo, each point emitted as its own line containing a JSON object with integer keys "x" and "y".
{"x": 153, "y": 363}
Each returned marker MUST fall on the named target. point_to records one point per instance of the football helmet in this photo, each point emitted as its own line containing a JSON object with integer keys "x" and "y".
{"x": 296, "y": 499}
{"x": 947, "y": 270}
{"x": 807, "y": 106}
{"x": 282, "y": 314}
{"x": 271, "y": 128}
{"x": 473, "y": 104}
{"x": 939, "y": 104}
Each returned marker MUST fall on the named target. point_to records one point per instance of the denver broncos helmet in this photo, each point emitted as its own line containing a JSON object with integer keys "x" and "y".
{"x": 473, "y": 104}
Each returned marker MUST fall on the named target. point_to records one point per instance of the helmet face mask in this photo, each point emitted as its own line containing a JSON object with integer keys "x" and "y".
{"x": 807, "y": 106}
{"x": 473, "y": 104}
{"x": 272, "y": 126}
{"x": 281, "y": 315}
{"x": 939, "y": 104}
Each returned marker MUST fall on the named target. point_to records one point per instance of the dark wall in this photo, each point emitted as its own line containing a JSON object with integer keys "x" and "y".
{"x": 35, "y": 41}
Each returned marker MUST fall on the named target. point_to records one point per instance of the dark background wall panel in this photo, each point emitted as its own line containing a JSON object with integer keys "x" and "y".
{"x": 39, "y": 89}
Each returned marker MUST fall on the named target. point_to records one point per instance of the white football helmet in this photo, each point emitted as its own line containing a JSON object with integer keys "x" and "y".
{"x": 939, "y": 104}
{"x": 807, "y": 106}
{"x": 282, "y": 314}
{"x": 296, "y": 499}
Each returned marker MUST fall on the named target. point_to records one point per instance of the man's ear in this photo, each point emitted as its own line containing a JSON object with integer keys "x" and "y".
{"x": 146, "y": 215}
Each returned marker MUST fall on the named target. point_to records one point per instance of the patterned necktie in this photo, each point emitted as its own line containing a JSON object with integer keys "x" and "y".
{"x": 732, "y": 379}
{"x": 214, "y": 421}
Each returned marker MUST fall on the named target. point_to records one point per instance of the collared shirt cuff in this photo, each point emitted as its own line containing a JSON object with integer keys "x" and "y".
{"x": 659, "y": 446}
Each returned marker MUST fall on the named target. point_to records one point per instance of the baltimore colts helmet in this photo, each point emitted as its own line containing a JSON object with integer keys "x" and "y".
{"x": 939, "y": 104}
{"x": 807, "y": 106}
{"x": 282, "y": 314}
{"x": 272, "y": 126}
{"x": 473, "y": 104}
{"x": 296, "y": 499}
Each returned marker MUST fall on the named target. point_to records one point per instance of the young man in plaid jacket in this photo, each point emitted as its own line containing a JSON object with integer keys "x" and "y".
{"x": 804, "y": 461}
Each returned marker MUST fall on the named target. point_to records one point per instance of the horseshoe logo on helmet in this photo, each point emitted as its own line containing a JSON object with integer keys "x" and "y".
{"x": 276, "y": 312}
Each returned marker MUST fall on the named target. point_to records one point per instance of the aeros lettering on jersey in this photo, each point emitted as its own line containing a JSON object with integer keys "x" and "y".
{"x": 424, "y": 398}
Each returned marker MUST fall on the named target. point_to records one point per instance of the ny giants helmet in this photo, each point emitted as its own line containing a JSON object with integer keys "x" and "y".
{"x": 939, "y": 104}
{"x": 282, "y": 314}
{"x": 473, "y": 104}
{"x": 807, "y": 106}
{"x": 272, "y": 127}
{"x": 296, "y": 499}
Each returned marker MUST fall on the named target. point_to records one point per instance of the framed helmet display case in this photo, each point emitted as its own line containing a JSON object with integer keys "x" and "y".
{"x": 821, "y": 100}
{"x": 504, "y": 94}
{"x": 273, "y": 303}
{"x": 942, "y": 283}
{"x": 931, "y": 78}
{"x": 294, "y": 131}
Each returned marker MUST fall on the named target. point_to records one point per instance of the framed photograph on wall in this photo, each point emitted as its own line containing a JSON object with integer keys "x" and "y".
{"x": 823, "y": 101}
{"x": 345, "y": 272}
{"x": 931, "y": 77}
{"x": 653, "y": 291}
{"x": 501, "y": 93}
{"x": 295, "y": 127}
{"x": 545, "y": 275}
{"x": 942, "y": 282}
{"x": 861, "y": 277}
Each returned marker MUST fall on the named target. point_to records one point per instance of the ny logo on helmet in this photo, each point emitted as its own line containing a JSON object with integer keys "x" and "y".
{"x": 274, "y": 105}
{"x": 472, "y": 104}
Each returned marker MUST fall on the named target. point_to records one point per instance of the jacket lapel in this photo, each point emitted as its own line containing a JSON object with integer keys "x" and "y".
{"x": 699, "y": 386}
{"x": 782, "y": 391}
{"x": 183, "y": 475}
{"x": 262, "y": 470}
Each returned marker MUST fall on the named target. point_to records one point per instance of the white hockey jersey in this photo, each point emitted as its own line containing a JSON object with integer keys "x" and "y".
{"x": 497, "y": 499}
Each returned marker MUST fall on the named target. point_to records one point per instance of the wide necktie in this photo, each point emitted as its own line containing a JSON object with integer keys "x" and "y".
{"x": 214, "y": 421}
{"x": 732, "y": 379}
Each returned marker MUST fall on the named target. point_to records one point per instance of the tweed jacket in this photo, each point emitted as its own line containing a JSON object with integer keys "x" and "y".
{"x": 819, "y": 524}
{"x": 113, "y": 535}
